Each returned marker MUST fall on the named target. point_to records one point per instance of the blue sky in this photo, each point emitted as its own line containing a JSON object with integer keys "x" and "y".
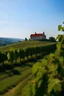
{"x": 20, "y": 18}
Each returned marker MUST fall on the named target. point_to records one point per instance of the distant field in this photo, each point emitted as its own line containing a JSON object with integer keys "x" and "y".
{"x": 24, "y": 44}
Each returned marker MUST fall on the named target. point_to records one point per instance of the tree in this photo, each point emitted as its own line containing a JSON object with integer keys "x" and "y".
{"x": 52, "y": 39}
{"x": 4, "y": 44}
{"x": 19, "y": 41}
{"x": 26, "y": 39}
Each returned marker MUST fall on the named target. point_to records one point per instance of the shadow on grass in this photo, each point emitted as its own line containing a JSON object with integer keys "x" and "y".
{"x": 15, "y": 72}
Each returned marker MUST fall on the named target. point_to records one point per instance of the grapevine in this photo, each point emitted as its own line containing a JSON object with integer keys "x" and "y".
{"x": 49, "y": 74}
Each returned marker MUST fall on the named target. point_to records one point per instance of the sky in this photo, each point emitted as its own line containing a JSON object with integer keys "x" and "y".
{"x": 20, "y": 18}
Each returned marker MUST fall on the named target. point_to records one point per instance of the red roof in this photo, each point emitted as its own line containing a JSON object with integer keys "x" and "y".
{"x": 37, "y": 35}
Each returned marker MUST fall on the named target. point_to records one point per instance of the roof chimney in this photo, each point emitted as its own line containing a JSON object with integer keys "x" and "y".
{"x": 44, "y": 33}
{"x": 35, "y": 32}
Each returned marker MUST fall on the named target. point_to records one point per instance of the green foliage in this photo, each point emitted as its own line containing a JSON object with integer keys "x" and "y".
{"x": 63, "y": 22}
{"x": 23, "y": 44}
{"x": 59, "y": 27}
{"x": 26, "y": 39}
{"x": 50, "y": 71}
{"x": 15, "y": 55}
{"x": 48, "y": 74}
{"x": 29, "y": 90}
{"x": 63, "y": 29}
{"x": 10, "y": 56}
{"x": 52, "y": 39}
{"x": 9, "y": 82}
{"x": 3, "y": 57}
{"x": 55, "y": 85}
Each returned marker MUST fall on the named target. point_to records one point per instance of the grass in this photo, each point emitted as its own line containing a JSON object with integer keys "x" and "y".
{"x": 12, "y": 81}
{"x": 9, "y": 73}
{"x": 16, "y": 90}
{"x": 24, "y": 44}
{"x": 2, "y": 76}
{"x": 22, "y": 78}
{"x": 8, "y": 79}
{"x": 21, "y": 85}
{"x": 21, "y": 89}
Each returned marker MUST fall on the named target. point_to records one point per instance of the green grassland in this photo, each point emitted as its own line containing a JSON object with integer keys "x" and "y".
{"x": 24, "y": 44}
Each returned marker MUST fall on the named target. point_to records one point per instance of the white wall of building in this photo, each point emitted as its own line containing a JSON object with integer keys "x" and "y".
{"x": 38, "y": 38}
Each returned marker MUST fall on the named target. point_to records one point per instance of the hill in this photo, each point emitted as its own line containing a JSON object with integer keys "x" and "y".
{"x": 24, "y": 44}
{"x": 8, "y": 41}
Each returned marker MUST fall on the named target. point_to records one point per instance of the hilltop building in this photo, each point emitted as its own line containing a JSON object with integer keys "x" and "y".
{"x": 38, "y": 36}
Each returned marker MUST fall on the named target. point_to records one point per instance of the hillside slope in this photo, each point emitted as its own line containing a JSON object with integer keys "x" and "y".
{"x": 24, "y": 44}
{"x": 8, "y": 40}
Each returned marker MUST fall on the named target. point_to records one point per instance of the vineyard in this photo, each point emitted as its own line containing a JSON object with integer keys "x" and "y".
{"x": 16, "y": 65}
{"x": 24, "y": 44}
{"x": 48, "y": 75}
{"x": 26, "y": 54}
{"x": 34, "y": 69}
